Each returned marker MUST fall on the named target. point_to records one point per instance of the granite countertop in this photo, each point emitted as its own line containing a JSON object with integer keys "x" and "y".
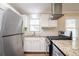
{"x": 66, "y": 47}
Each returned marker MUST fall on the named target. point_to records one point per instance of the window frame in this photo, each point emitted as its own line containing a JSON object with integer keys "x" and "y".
{"x": 72, "y": 28}
{"x": 34, "y": 25}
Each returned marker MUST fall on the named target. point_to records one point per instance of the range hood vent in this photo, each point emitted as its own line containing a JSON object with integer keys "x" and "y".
{"x": 56, "y": 11}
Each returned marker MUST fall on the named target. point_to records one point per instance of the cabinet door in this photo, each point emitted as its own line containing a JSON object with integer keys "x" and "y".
{"x": 43, "y": 44}
{"x": 27, "y": 44}
{"x": 44, "y": 20}
{"x": 34, "y": 44}
{"x": 47, "y": 44}
{"x": 52, "y": 23}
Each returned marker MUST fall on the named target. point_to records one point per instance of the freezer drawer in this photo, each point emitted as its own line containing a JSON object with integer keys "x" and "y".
{"x": 1, "y": 47}
{"x": 13, "y": 46}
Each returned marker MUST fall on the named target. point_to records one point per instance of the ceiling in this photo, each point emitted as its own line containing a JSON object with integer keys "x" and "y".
{"x": 26, "y": 8}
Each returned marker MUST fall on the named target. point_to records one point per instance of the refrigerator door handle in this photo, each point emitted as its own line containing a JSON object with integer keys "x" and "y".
{"x": 13, "y": 34}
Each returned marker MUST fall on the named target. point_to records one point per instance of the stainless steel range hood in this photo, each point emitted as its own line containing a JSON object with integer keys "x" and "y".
{"x": 56, "y": 11}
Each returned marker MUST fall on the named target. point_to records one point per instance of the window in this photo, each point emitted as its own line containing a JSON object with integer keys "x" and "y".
{"x": 34, "y": 23}
{"x": 71, "y": 23}
{"x": 71, "y": 26}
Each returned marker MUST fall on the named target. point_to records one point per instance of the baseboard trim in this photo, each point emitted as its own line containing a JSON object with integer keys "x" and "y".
{"x": 26, "y": 52}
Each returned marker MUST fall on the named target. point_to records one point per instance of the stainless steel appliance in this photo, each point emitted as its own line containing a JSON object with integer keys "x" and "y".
{"x": 11, "y": 35}
{"x": 1, "y": 41}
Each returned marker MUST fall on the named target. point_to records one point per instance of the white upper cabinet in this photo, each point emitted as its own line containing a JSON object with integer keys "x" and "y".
{"x": 52, "y": 23}
{"x": 46, "y": 22}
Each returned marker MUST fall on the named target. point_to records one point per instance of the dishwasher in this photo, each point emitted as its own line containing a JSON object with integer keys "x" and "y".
{"x": 52, "y": 49}
{"x": 49, "y": 47}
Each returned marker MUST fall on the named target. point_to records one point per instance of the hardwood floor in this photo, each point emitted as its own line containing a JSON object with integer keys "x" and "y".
{"x": 35, "y": 54}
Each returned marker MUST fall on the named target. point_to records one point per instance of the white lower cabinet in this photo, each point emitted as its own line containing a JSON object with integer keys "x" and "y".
{"x": 35, "y": 44}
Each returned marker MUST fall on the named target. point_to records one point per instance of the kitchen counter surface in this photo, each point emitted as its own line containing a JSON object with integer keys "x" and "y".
{"x": 66, "y": 47}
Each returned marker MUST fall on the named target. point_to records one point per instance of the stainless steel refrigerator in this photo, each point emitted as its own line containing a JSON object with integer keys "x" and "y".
{"x": 1, "y": 40}
{"x": 12, "y": 34}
